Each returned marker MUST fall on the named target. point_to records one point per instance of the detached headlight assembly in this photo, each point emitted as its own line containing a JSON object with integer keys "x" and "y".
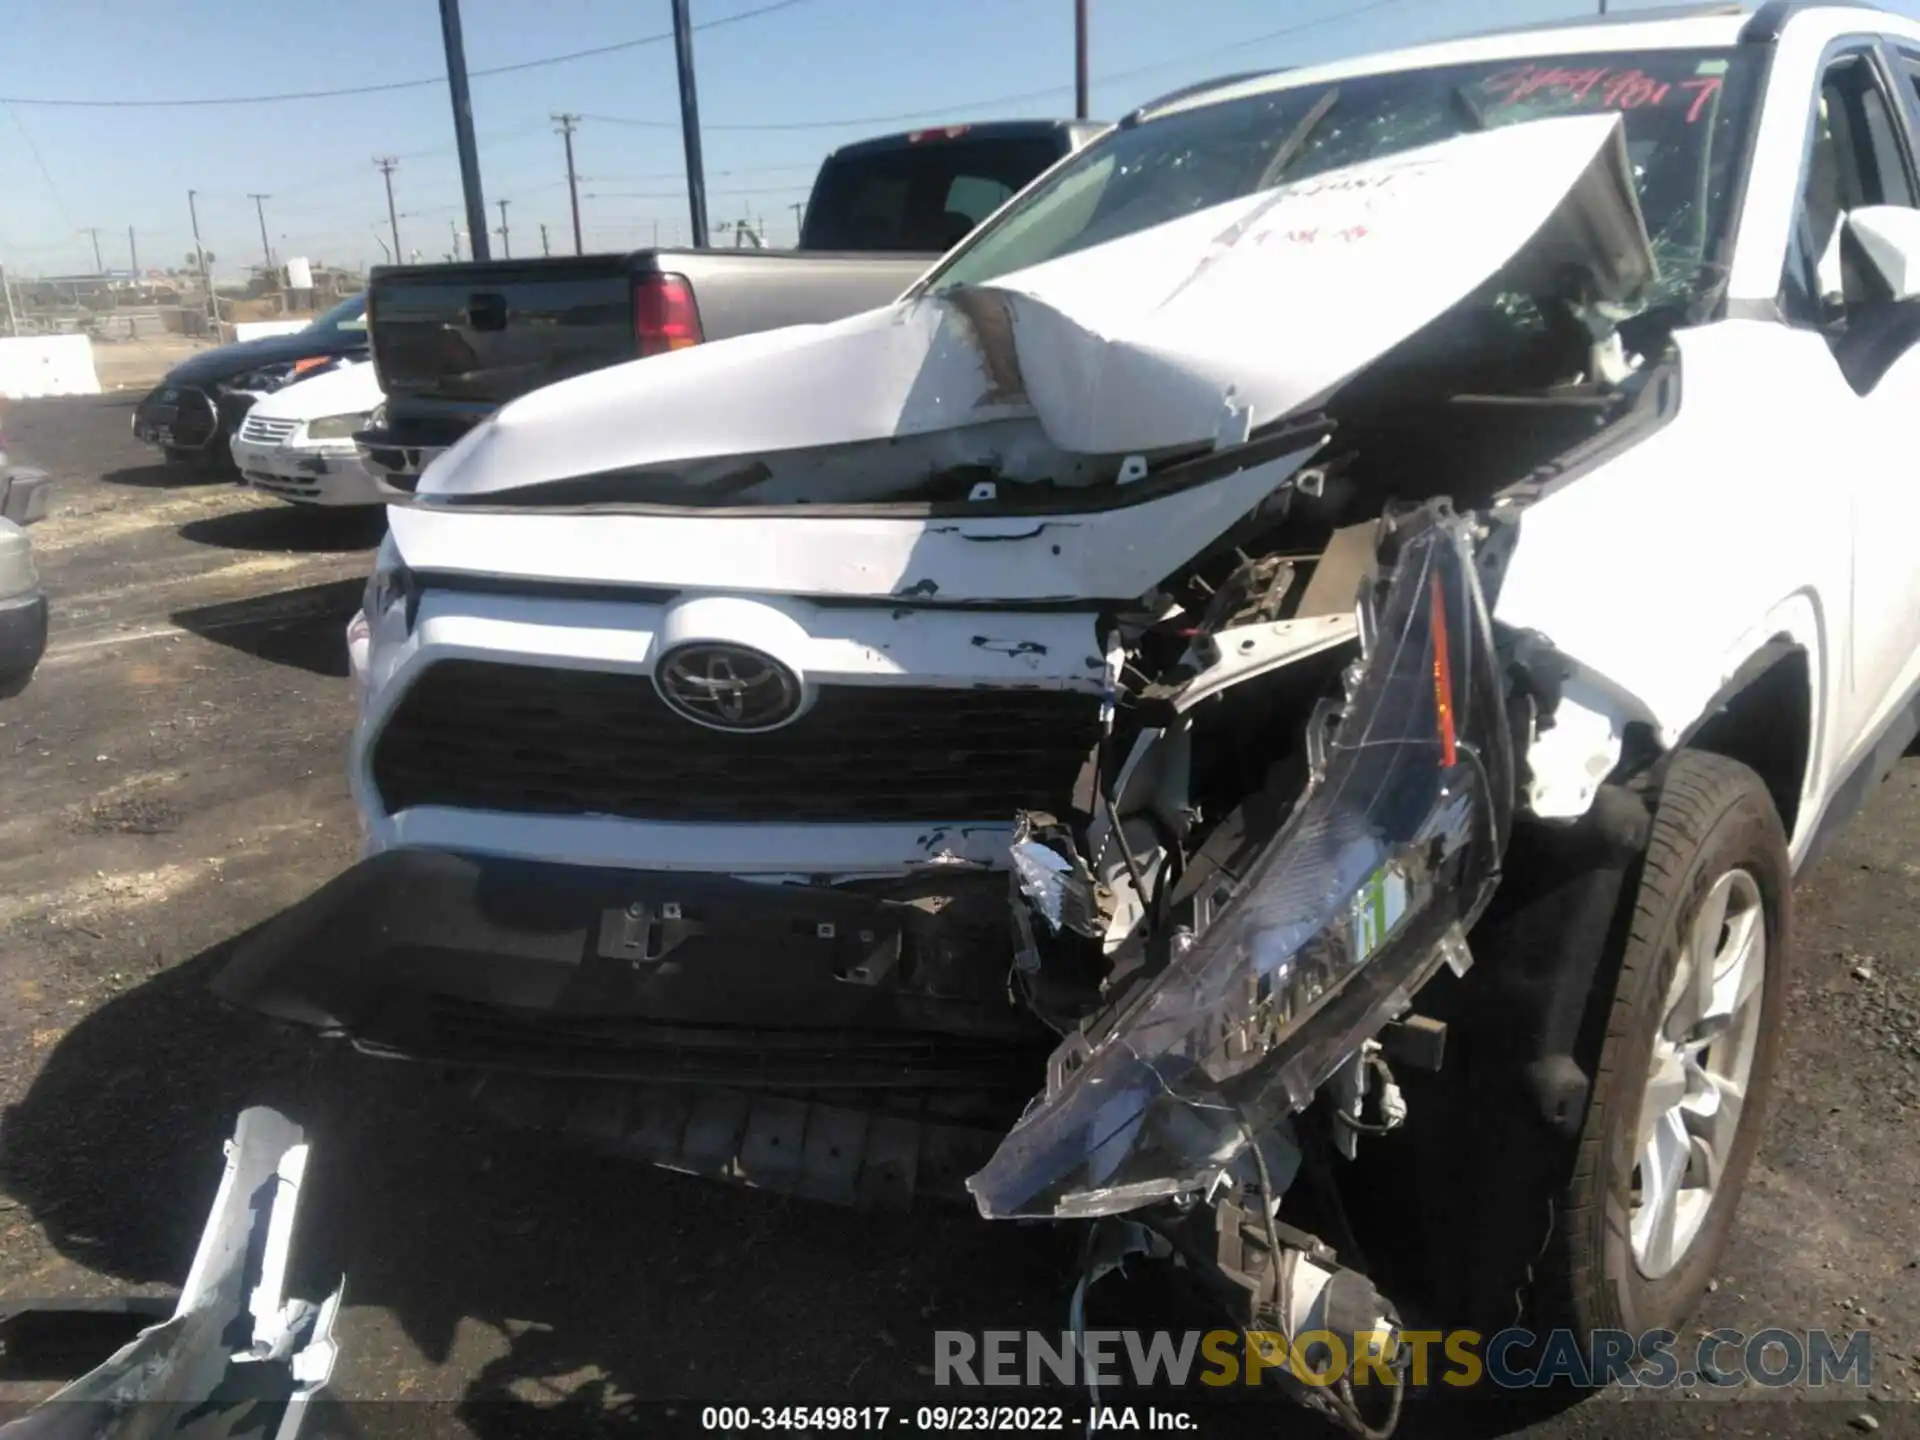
{"x": 336, "y": 427}
{"x": 1387, "y": 858}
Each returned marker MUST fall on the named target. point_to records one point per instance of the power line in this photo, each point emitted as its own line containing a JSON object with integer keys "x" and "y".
{"x": 909, "y": 116}
{"x": 45, "y": 174}
{"x": 392, "y": 85}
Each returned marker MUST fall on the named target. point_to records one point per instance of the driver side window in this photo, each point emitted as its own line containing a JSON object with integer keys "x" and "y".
{"x": 1855, "y": 159}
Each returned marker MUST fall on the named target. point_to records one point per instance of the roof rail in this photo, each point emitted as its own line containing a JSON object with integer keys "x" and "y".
{"x": 1618, "y": 17}
{"x": 1219, "y": 82}
{"x": 1771, "y": 18}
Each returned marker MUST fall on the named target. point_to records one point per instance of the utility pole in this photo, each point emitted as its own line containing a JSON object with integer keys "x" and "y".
{"x": 386, "y": 165}
{"x": 506, "y": 243}
{"x": 133, "y": 254}
{"x": 567, "y": 124}
{"x": 13, "y": 317}
{"x": 200, "y": 255}
{"x": 690, "y": 122}
{"x": 1080, "y": 57}
{"x": 545, "y": 249}
{"x": 99, "y": 265}
{"x": 260, "y": 208}
{"x": 453, "y": 228}
{"x": 799, "y": 209}
{"x": 463, "y": 127}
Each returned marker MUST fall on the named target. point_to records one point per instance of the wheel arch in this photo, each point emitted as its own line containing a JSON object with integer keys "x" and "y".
{"x": 1766, "y": 716}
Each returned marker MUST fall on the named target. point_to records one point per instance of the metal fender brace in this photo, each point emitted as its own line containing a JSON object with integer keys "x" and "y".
{"x": 1182, "y": 1093}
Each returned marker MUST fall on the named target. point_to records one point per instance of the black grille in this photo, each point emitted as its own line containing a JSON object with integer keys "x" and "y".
{"x": 528, "y": 739}
{"x": 186, "y": 415}
{"x": 460, "y": 1032}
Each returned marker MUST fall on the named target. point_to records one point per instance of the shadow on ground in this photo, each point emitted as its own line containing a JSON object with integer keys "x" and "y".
{"x": 291, "y": 529}
{"x": 539, "y": 1288}
{"x": 508, "y": 1270}
{"x": 159, "y": 476}
{"x": 303, "y": 628}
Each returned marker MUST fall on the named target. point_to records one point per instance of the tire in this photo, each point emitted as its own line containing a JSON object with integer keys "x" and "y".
{"x": 1714, "y": 818}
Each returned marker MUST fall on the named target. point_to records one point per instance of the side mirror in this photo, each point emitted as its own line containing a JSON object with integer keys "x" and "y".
{"x": 1887, "y": 240}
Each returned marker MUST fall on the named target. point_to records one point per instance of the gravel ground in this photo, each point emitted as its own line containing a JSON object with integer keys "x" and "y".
{"x": 174, "y": 776}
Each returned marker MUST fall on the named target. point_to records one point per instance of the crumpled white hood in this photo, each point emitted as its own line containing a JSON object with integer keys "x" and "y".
{"x": 1189, "y": 332}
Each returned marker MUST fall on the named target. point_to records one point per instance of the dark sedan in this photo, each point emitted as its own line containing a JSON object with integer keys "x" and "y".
{"x": 195, "y": 410}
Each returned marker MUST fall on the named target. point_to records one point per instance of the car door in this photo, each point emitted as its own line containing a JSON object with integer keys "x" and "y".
{"x": 1860, "y": 153}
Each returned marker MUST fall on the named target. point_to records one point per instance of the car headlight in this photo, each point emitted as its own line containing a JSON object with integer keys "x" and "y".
{"x": 261, "y": 379}
{"x": 1387, "y": 858}
{"x": 336, "y": 427}
{"x": 377, "y": 417}
{"x": 391, "y": 584}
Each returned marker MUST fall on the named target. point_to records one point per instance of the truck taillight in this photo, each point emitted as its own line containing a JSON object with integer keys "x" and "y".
{"x": 664, "y": 315}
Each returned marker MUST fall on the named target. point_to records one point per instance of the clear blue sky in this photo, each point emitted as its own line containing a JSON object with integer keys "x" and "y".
{"x": 835, "y": 70}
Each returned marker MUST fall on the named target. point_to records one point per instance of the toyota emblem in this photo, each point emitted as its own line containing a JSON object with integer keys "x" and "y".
{"x": 728, "y": 687}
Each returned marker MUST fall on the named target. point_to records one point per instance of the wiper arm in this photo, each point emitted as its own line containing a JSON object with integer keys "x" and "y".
{"x": 1470, "y": 107}
{"x": 1297, "y": 138}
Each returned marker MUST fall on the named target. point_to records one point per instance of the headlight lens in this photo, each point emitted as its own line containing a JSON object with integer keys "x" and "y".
{"x": 1387, "y": 857}
{"x": 336, "y": 427}
{"x": 265, "y": 378}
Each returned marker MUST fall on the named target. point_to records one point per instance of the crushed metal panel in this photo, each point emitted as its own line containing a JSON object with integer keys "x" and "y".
{"x": 186, "y": 1374}
{"x": 1391, "y": 850}
{"x": 832, "y": 1152}
{"x": 1244, "y": 312}
{"x": 836, "y": 1140}
{"x": 773, "y": 1151}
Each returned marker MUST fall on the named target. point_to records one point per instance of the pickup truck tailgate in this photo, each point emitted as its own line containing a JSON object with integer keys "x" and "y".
{"x": 482, "y": 334}
{"x": 451, "y": 338}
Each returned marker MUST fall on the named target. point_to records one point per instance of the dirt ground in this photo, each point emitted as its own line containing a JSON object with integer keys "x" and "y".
{"x": 174, "y": 776}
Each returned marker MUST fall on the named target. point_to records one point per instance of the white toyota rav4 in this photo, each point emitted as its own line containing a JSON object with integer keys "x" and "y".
{"x": 1280, "y": 692}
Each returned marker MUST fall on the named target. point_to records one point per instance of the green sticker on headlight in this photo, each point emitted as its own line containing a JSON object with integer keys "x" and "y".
{"x": 1378, "y": 906}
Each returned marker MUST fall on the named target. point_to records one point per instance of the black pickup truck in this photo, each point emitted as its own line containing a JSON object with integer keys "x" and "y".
{"x": 452, "y": 343}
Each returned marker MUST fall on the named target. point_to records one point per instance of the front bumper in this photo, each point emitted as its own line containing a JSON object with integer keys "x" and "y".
{"x": 580, "y": 972}
{"x": 307, "y": 475}
{"x": 837, "y": 1046}
{"x": 238, "y": 1356}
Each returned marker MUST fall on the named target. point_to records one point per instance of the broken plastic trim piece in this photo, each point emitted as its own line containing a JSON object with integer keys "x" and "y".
{"x": 236, "y": 1352}
{"x": 1053, "y": 879}
{"x": 1389, "y": 854}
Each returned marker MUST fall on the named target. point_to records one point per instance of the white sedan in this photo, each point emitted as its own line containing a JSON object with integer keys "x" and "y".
{"x": 297, "y": 443}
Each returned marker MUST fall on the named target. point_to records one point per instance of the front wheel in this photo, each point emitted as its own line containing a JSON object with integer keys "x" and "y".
{"x": 1692, "y": 1035}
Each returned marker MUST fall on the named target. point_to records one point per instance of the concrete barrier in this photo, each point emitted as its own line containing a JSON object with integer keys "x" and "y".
{"x": 36, "y": 365}
{"x": 260, "y": 329}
